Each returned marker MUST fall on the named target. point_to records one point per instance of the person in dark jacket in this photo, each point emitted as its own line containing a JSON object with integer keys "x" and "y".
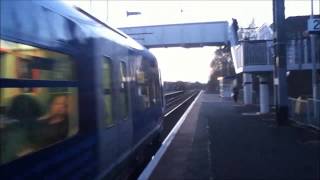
{"x": 18, "y": 136}
{"x": 235, "y": 92}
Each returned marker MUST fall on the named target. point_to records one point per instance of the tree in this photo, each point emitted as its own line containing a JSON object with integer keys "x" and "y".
{"x": 221, "y": 65}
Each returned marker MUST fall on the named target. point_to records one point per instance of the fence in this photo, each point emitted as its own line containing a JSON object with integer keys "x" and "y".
{"x": 260, "y": 52}
{"x": 305, "y": 111}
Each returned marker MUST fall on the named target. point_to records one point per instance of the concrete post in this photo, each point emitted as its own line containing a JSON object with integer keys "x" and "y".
{"x": 264, "y": 94}
{"x": 247, "y": 88}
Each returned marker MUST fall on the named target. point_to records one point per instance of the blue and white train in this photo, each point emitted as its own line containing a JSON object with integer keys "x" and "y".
{"x": 78, "y": 99}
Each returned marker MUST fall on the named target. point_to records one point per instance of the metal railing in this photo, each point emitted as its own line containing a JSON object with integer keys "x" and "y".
{"x": 260, "y": 52}
{"x": 305, "y": 111}
{"x": 256, "y": 52}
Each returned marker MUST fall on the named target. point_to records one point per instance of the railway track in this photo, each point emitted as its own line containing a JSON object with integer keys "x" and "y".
{"x": 176, "y": 105}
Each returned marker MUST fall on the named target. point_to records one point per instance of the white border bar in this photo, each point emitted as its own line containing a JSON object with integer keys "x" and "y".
{"x": 165, "y": 144}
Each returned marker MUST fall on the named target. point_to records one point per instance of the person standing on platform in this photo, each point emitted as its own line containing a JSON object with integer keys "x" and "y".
{"x": 235, "y": 93}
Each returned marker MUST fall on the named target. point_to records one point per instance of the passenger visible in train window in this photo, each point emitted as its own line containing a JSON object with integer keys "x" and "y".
{"x": 54, "y": 125}
{"x": 17, "y": 134}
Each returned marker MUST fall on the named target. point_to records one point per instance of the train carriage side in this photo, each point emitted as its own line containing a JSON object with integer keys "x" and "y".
{"x": 44, "y": 131}
{"x": 105, "y": 91}
{"x": 123, "y": 134}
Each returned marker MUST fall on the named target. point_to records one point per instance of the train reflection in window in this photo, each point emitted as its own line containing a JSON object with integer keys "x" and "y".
{"x": 20, "y": 61}
{"x": 147, "y": 76}
{"x": 32, "y": 118}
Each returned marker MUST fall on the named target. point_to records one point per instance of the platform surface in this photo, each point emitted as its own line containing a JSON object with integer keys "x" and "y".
{"x": 223, "y": 140}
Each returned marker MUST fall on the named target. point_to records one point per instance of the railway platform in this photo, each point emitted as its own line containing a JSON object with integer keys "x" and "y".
{"x": 219, "y": 139}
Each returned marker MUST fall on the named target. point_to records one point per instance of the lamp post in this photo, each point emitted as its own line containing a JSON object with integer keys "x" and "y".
{"x": 312, "y": 30}
{"x": 107, "y": 18}
{"x": 90, "y": 5}
{"x": 280, "y": 79}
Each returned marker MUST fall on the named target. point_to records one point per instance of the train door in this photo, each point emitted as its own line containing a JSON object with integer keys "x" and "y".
{"x": 115, "y": 125}
{"x": 124, "y": 119}
{"x": 107, "y": 125}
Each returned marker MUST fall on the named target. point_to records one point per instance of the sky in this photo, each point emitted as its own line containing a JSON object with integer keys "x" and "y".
{"x": 194, "y": 63}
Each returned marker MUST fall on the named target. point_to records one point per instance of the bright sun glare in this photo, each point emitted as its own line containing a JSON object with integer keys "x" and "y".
{"x": 181, "y": 63}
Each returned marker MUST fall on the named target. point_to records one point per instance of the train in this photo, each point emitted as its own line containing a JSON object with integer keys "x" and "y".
{"x": 78, "y": 98}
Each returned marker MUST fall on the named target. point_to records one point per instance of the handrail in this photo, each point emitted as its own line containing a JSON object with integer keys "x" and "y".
{"x": 311, "y": 99}
{"x": 302, "y": 112}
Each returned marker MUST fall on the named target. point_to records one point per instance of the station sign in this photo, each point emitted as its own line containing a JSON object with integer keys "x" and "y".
{"x": 314, "y": 25}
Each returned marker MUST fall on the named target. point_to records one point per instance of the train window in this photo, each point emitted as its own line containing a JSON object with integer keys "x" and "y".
{"x": 34, "y": 114}
{"x": 21, "y": 61}
{"x": 156, "y": 84}
{"x": 123, "y": 91}
{"x": 147, "y": 78}
{"x": 153, "y": 84}
{"x": 153, "y": 92}
{"x": 107, "y": 90}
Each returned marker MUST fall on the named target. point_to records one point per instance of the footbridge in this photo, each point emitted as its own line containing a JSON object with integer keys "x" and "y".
{"x": 181, "y": 35}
